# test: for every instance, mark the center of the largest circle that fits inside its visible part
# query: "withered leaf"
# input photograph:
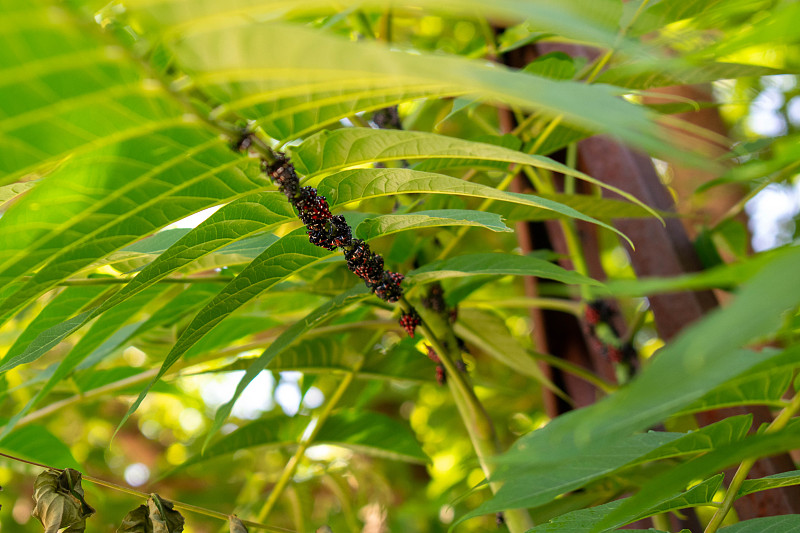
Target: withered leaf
(165, 519)
(136, 521)
(237, 526)
(60, 501)
(157, 516)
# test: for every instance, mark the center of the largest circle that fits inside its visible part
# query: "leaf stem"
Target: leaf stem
(475, 417)
(133, 492)
(744, 468)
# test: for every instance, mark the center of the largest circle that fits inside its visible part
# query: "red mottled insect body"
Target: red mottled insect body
(389, 288)
(283, 174)
(441, 375)
(432, 355)
(331, 232)
(410, 320)
(340, 233)
(320, 238)
(614, 353)
(592, 316)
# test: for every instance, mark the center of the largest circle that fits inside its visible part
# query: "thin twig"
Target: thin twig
(133, 492)
(475, 417)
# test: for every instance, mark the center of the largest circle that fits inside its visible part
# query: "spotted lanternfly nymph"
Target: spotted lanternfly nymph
(410, 320)
(330, 232)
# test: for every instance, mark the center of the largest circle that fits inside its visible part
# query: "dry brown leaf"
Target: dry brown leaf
(60, 501)
(136, 521)
(237, 526)
(164, 518)
(157, 516)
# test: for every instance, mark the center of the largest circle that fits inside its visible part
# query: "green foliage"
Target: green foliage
(165, 319)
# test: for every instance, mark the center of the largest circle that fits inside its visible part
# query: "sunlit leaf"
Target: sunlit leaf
(358, 184)
(330, 151)
(281, 260)
(343, 300)
(36, 443)
(783, 479)
(496, 264)
(388, 224)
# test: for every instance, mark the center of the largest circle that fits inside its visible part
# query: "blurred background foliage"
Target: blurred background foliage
(417, 469)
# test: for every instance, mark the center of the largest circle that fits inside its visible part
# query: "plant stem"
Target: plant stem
(553, 304)
(661, 522)
(551, 126)
(477, 421)
(577, 371)
(133, 492)
(291, 467)
(744, 468)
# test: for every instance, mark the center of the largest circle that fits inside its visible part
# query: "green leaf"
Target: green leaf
(487, 331)
(726, 276)
(286, 257)
(125, 192)
(241, 218)
(497, 264)
(555, 65)
(702, 358)
(665, 73)
(665, 12)
(64, 94)
(388, 224)
(10, 192)
(95, 378)
(232, 329)
(60, 308)
(45, 341)
(705, 439)
(177, 307)
(359, 184)
(330, 151)
(765, 384)
(593, 206)
(586, 520)
(343, 300)
(35, 443)
(594, 22)
(778, 524)
(371, 434)
(368, 433)
(751, 447)
(783, 479)
(518, 36)
(318, 355)
(529, 487)
(312, 63)
(538, 487)
(91, 341)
